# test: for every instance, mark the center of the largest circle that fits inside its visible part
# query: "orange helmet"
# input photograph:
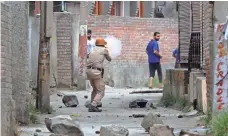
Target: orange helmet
(100, 42)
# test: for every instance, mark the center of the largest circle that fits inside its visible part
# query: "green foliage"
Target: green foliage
(168, 100)
(220, 124)
(46, 109)
(33, 114)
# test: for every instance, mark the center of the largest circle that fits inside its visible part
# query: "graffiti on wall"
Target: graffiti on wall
(221, 68)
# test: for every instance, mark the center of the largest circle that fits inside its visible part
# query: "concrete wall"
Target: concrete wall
(126, 5)
(64, 49)
(75, 46)
(34, 39)
(20, 59)
(135, 33)
(73, 7)
(148, 9)
(7, 101)
(133, 8)
(105, 7)
(220, 14)
(189, 88)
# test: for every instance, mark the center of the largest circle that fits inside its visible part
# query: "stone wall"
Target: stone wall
(7, 102)
(20, 58)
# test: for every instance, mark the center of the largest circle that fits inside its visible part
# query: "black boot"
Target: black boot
(99, 105)
(94, 109)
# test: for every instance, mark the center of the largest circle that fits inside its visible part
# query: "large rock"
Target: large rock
(63, 125)
(70, 100)
(149, 120)
(161, 130)
(113, 130)
(138, 103)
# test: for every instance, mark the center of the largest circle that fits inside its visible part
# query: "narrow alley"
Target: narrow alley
(114, 68)
(115, 111)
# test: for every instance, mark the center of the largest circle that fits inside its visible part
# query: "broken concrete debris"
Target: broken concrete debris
(113, 130)
(70, 100)
(152, 106)
(161, 130)
(138, 115)
(63, 125)
(149, 120)
(138, 103)
(188, 133)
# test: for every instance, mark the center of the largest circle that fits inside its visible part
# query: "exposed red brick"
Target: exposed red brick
(135, 33)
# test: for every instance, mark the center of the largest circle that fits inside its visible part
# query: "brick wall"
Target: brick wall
(64, 49)
(135, 33)
(207, 43)
(7, 103)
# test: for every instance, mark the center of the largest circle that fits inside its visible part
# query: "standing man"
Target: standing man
(94, 73)
(176, 56)
(154, 56)
(90, 42)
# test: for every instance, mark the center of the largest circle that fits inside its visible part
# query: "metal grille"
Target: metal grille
(194, 51)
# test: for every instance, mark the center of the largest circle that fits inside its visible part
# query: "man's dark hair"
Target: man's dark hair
(89, 31)
(155, 33)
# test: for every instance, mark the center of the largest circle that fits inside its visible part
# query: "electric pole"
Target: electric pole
(46, 16)
(81, 83)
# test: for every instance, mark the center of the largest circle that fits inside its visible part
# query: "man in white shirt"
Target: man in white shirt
(90, 42)
(90, 47)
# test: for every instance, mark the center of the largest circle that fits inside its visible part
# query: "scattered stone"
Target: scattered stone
(35, 134)
(87, 103)
(60, 106)
(38, 130)
(138, 115)
(57, 135)
(188, 133)
(161, 130)
(89, 116)
(152, 106)
(158, 115)
(63, 125)
(60, 95)
(113, 130)
(149, 120)
(180, 116)
(138, 103)
(97, 132)
(70, 100)
(86, 96)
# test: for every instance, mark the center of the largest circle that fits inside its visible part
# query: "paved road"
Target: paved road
(115, 111)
